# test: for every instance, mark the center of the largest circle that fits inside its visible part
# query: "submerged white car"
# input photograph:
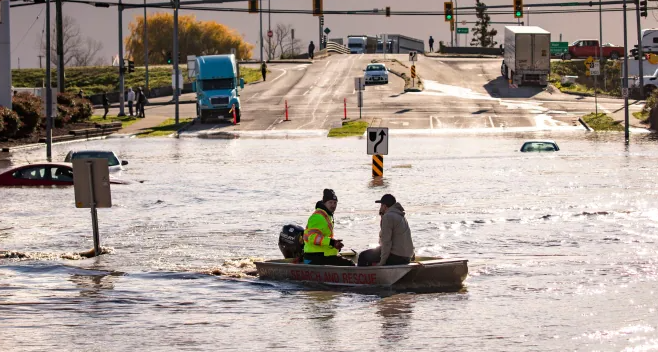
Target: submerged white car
(113, 162)
(376, 73)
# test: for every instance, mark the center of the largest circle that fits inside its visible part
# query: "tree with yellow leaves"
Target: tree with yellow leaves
(194, 38)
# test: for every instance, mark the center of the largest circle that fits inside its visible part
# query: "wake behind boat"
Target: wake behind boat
(424, 273)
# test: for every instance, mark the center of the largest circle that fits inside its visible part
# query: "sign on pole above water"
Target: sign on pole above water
(377, 138)
(413, 56)
(359, 83)
(95, 183)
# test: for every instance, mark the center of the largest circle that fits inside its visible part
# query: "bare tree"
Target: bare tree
(283, 44)
(72, 41)
(87, 53)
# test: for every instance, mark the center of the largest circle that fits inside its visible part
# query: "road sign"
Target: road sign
(462, 30)
(270, 34)
(624, 92)
(595, 68)
(588, 61)
(327, 30)
(413, 71)
(413, 56)
(359, 83)
(86, 177)
(377, 140)
(558, 48)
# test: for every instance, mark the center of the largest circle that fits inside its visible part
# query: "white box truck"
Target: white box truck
(527, 55)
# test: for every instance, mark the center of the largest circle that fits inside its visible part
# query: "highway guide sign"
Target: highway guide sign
(377, 138)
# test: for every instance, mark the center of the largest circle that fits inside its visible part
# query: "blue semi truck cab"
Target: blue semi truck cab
(217, 84)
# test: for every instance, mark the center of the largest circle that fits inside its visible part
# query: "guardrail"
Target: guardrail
(337, 48)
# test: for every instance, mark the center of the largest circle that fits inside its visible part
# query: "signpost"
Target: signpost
(359, 87)
(413, 56)
(270, 33)
(327, 31)
(461, 30)
(559, 48)
(377, 146)
(593, 68)
(92, 190)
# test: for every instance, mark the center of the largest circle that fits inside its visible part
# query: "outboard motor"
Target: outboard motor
(291, 241)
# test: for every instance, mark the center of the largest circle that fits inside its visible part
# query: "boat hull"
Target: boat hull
(423, 274)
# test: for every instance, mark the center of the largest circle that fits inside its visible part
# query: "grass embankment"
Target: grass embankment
(641, 115)
(125, 121)
(95, 80)
(602, 122)
(585, 84)
(349, 129)
(165, 128)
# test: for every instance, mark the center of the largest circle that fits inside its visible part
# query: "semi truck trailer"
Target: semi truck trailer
(527, 58)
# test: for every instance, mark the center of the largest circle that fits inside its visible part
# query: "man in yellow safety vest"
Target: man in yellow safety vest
(320, 247)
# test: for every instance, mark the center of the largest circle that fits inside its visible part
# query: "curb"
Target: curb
(186, 127)
(453, 56)
(290, 62)
(582, 122)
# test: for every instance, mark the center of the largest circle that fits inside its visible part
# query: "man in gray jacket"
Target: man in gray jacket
(395, 244)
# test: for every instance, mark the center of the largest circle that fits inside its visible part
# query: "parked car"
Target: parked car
(376, 73)
(590, 47)
(540, 146)
(43, 174)
(113, 162)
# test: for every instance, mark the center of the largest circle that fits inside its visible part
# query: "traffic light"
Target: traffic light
(518, 8)
(253, 6)
(635, 53)
(447, 10)
(388, 11)
(131, 66)
(317, 7)
(321, 20)
(169, 61)
(643, 8)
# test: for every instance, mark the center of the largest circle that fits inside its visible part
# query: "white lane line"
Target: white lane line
(328, 62)
(431, 122)
(306, 92)
(283, 74)
(492, 124)
(253, 96)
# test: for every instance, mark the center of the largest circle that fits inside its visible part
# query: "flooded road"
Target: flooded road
(561, 247)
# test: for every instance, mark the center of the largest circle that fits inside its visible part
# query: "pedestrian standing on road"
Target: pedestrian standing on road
(311, 49)
(395, 244)
(431, 44)
(131, 99)
(263, 70)
(106, 105)
(141, 102)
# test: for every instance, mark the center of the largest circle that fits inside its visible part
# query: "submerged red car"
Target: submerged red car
(44, 174)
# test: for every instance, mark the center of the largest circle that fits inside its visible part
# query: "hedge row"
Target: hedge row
(26, 117)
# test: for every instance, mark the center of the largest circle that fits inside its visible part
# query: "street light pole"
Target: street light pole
(260, 10)
(49, 94)
(146, 49)
(639, 49)
(269, 28)
(625, 83)
(121, 81)
(175, 58)
(59, 28)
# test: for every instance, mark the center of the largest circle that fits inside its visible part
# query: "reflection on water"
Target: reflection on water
(561, 247)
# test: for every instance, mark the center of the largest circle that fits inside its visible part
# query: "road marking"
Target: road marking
(283, 74)
(431, 123)
(253, 96)
(328, 62)
(492, 124)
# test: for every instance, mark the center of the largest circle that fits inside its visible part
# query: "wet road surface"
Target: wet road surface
(562, 247)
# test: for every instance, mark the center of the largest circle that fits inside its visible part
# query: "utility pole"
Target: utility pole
(260, 10)
(5, 55)
(269, 28)
(121, 84)
(49, 93)
(60, 45)
(320, 32)
(601, 44)
(456, 24)
(146, 50)
(639, 48)
(175, 58)
(625, 83)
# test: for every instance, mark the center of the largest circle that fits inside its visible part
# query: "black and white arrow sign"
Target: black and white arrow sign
(377, 138)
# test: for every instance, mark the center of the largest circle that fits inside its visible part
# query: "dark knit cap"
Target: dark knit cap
(328, 194)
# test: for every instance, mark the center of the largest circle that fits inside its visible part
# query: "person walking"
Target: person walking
(81, 94)
(263, 70)
(106, 105)
(395, 244)
(431, 44)
(141, 102)
(131, 99)
(320, 246)
(311, 49)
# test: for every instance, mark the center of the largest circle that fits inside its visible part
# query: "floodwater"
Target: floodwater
(562, 247)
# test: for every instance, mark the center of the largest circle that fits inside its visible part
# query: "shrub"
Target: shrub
(652, 101)
(28, 108)
(78, 109)
(63, 117)
(10, 122)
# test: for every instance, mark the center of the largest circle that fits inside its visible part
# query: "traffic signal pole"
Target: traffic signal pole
(121, 67)
(146, 50)
(176, 80)
(625, 83)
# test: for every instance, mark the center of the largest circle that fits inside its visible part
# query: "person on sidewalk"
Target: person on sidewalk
(431, 44)
(106, 105)
(395, 244)
(311, 49)
(320, 246)
(131, 99)
(263, 70)
(141, 102)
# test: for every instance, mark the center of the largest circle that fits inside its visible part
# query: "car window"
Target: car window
(61, 173)
(655, 40)
(538, 147)
(31, 173)
(111, 159)
(375, 68)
